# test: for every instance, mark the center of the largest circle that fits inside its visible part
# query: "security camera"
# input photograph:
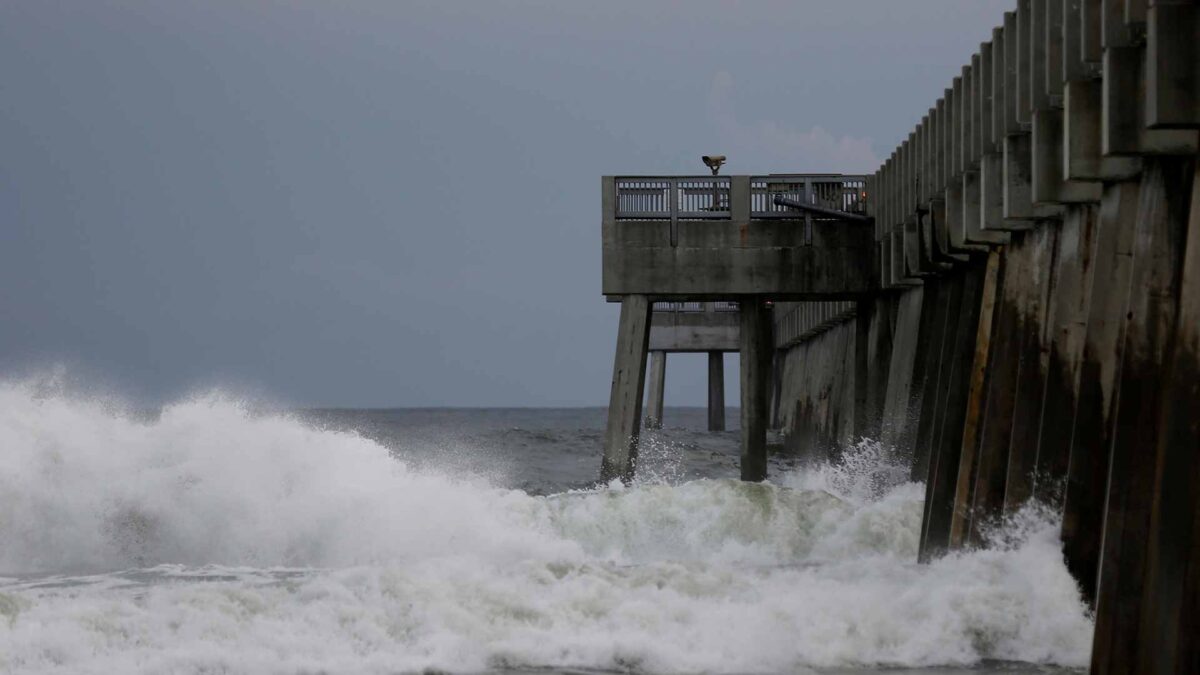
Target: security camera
(714, 162)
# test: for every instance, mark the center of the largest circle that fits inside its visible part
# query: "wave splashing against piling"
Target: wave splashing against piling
(214, 539)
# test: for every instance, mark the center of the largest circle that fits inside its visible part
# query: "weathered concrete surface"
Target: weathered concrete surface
(1093, 422)
(995, 430)
(1158, 249)
(722, 258)
(736, 256)
(1034, 289)
(1069, 312)
(703, 331)
(625, 399)
(932, 345)
(954, 378)
(658, 381)
(757, 349)
(1089, 379)
(817, 392)
(905, 370)
(1171, 599)
(876, 326)
(976, 392)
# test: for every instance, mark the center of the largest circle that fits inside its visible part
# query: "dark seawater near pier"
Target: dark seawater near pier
(216, 538)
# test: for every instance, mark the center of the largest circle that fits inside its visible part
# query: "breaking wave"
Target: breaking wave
(212, 538)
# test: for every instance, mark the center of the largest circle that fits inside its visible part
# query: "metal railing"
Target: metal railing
(679, 306)
(806, 320)
(840, 193)
(677, 197)
(674, 306)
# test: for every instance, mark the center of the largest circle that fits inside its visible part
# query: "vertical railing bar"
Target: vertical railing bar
(808, 198)
(673, 203)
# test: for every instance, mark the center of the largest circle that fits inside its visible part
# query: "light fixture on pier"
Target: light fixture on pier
(714, 162)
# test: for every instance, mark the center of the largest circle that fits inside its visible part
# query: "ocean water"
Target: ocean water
(214, 536)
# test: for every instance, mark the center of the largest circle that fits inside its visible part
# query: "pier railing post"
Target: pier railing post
(625, 400)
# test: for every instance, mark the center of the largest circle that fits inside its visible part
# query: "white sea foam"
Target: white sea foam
(264, 545)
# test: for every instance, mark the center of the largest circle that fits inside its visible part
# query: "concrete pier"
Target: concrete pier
(689, 327)
(700, 247)
(1025, 324)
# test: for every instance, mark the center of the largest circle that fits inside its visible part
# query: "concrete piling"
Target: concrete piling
(1171, 595)
(954, 379)
(625, 399)
(1032, 363)
(906, 363)
(991, 457)
(716, 391)
(757, 347)
(1092, 427)
(1066, 330)
(658, 378)
(1158, 247)
(964, 490)
(933, 344)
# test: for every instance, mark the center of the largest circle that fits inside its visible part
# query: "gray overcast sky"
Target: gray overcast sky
(397, 203)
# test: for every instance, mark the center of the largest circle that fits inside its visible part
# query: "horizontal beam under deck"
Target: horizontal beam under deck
(706, 331)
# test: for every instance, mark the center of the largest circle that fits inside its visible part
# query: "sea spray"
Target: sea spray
(217, 539)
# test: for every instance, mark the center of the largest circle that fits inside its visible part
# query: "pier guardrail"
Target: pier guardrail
(669, 197)
(711, 197)
(805, 320)
(840, 193)
(673, 306)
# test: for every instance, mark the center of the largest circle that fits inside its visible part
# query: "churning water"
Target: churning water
(211, 538)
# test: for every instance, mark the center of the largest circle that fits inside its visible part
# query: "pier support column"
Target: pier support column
(999, 394)
(864, 415)
(625, 401)
(756, 351)
(934, 314)
(964, 491)
(954, 379)
(1171, 595)
(1072, 289)
(1134, 480)
(716, 391)
(1032, 365)
(658, 381)
(1092, 426)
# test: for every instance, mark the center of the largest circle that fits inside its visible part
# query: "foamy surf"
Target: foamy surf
(213, 539)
